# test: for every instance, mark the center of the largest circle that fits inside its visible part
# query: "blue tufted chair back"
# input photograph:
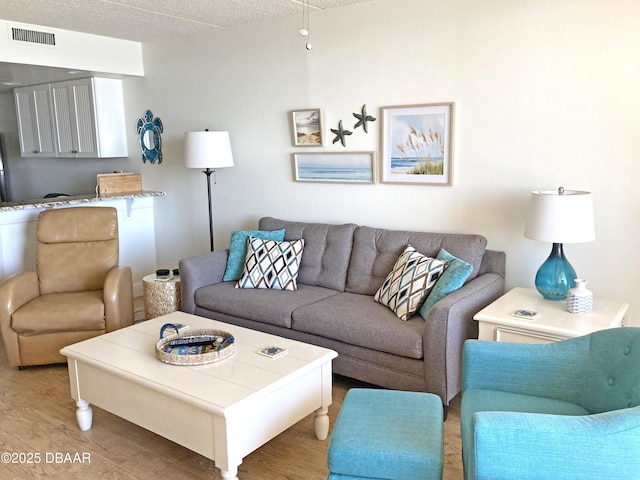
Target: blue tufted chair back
(613, 371)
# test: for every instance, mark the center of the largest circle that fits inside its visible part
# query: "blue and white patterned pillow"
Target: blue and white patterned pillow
(409, 282)
(271, 264)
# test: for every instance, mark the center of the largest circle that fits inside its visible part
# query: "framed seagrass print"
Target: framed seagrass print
(417, 144)
(343, 167)
(306, 127)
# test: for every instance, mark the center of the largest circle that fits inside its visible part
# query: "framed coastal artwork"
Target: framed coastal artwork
(307, 127)
(343, 167)
(417, 144)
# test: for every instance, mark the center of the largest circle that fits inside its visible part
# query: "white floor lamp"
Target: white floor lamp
(208, 150)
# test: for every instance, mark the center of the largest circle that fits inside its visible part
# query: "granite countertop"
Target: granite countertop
(72, 200)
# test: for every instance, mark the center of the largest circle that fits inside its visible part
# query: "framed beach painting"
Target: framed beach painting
(343, 167)
(307, 127)
(417, 144)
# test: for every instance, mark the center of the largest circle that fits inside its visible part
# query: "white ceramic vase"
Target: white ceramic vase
(579, 298)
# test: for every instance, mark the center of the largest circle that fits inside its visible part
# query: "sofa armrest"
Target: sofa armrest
(493, 261)
(541, 446)
(449, 323)
(200, 271)
(553, 370)
(118, 298)
(15, 291)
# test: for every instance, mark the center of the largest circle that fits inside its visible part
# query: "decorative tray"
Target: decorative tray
(194, 347)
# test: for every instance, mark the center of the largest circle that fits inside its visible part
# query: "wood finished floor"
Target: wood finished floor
(38, 416)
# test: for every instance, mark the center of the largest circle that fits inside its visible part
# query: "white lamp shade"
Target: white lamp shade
(555, 218)
(207, 150)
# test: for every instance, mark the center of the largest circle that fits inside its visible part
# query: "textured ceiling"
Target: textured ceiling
(140, 21)
(147, 21)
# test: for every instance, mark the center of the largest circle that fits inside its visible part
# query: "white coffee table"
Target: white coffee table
(224, 410)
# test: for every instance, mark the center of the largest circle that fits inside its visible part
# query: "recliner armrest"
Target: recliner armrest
(200, 271)
(118, 298)
(530, 446)
(15, 291)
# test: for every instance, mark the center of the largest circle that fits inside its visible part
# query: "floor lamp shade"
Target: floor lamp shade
(208, 150)
(558, 217)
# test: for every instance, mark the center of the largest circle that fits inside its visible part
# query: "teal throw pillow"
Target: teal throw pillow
(238, 250)
(451, 280)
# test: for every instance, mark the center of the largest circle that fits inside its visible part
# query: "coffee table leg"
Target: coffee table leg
(84, 414)
(322, 423)
(230, 474)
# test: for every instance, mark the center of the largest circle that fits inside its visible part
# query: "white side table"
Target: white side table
(555, 323)
(160, 297)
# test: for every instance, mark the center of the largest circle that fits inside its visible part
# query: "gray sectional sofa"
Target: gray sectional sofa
(341, 269)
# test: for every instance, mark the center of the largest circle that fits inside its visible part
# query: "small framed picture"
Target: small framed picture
(307, 127)
(343, 167)
(417, 144)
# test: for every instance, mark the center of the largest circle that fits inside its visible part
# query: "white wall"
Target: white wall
(546, 94)
(73, 50)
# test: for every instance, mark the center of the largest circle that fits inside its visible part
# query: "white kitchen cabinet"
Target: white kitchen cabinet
(89, 118)
(35, 121)
(86, 118)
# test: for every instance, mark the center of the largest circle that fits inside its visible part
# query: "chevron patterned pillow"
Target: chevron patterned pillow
(271, 264)
(409, 282)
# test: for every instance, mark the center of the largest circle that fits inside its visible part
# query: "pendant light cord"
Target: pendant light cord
(305, 31)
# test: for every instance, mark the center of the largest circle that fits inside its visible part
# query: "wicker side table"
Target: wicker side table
(160, 297)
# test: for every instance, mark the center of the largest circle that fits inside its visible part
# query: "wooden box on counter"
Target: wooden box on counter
(118, 183)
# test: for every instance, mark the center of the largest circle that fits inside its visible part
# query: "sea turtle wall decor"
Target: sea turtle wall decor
(149, 131)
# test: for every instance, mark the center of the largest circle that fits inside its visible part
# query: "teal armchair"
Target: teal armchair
(566, 410)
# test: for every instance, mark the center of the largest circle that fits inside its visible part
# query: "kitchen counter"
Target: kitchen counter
(136, 229)
(72, 200)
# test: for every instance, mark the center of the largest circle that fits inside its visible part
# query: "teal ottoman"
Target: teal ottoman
(387, 434)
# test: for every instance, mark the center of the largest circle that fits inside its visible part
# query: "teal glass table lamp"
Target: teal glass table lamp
(558, 217)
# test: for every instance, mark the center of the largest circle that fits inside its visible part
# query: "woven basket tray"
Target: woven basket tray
(226, 348)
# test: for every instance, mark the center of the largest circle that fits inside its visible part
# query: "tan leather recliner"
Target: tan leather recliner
(77, 292)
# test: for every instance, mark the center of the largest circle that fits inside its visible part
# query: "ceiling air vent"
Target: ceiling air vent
(33, 36)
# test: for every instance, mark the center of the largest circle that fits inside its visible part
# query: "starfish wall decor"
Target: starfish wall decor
(363, 118)
(340, 134)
